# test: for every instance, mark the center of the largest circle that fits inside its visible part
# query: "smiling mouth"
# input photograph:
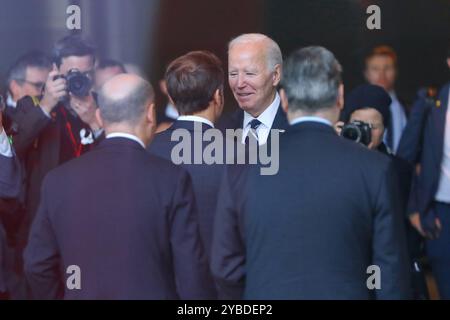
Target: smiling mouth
(244, 95)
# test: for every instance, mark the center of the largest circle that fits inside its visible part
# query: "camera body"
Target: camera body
(78, 83)
(358, 131)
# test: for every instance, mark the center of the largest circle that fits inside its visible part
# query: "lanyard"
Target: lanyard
(77, 147)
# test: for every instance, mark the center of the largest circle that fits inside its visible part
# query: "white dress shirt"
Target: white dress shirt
(310, 119)
(443, 191)
(171, 112)
(266, 118)
(127, 136)
(5, 147)
(197, 119)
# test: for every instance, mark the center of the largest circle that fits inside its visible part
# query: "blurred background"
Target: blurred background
(149, 33)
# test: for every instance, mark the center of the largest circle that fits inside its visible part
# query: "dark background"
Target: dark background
(149, 33)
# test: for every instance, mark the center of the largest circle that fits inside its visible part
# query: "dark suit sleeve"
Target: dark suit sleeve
(10, 177)
(192, 274)
(41, 255)
(389, 242)
(410, 145)
(30, 121)
(228, 250)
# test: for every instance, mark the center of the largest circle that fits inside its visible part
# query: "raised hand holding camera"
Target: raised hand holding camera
(55, 90)
(85, 108)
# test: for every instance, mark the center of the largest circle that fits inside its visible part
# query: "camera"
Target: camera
(358, 131)
(78, 83)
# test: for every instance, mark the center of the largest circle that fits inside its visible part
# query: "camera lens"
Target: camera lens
(352, 133)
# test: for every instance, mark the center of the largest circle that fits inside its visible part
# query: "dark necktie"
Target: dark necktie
(254, 125)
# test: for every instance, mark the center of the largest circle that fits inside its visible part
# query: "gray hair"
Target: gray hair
(129, 108)
(34, 59)
(274, 55)
(311, 79)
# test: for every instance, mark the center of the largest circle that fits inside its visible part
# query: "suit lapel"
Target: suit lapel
(438, 117)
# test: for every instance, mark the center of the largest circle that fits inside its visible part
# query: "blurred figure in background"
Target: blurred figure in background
(381, 69)
(426, 141)
(27, 77)
(105, 70)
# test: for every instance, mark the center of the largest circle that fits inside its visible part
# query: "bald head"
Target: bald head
(124, 98)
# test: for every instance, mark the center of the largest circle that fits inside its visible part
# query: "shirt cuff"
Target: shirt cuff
(45, 112)
(5, 147)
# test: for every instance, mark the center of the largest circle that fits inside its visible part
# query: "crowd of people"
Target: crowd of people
(88, 179)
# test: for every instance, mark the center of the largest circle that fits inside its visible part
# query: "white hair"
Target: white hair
(273, 55)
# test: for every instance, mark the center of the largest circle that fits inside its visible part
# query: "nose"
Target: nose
(240, 81)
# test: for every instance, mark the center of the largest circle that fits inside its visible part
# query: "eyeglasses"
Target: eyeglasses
(38, 85)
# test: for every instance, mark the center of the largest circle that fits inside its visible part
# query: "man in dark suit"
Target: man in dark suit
(426, 141)
(332, 223)
(381, 69)
(254, 72)
(125, 218)
(195, 85)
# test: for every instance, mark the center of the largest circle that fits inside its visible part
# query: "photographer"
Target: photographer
(367, 107)
(58, 126)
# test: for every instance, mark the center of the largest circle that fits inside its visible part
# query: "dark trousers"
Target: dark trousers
(438, 251)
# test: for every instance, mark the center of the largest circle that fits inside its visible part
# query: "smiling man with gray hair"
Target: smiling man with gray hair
(331, 230)
(255, 67)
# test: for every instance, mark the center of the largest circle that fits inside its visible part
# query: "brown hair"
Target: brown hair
(192, 80)
(382, 51)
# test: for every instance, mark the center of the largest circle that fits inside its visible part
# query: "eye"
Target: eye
(251, 74)
(232, 74)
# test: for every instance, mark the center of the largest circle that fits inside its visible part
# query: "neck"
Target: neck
(331, 114)
(126, 128)
(208, 114)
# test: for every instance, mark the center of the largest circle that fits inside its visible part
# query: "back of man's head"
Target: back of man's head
(192, 81)
(72, 45)
(110, 63)
(124, 99)
(311, 80)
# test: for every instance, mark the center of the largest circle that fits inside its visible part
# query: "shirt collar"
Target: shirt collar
(267, 117)
(197, 119)
(127, 136)
(10, 102)
(171, 112)
(310, 119)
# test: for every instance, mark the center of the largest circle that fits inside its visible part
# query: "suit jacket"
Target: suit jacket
(10, 182)
(205, 178)
(127, 219)
(423, 142)
(10, 177)
(312, 230)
